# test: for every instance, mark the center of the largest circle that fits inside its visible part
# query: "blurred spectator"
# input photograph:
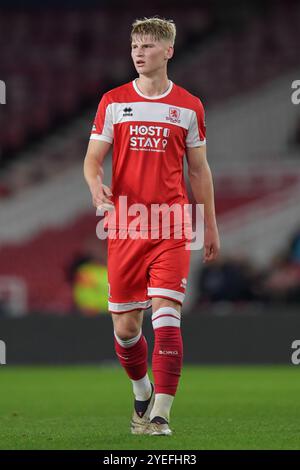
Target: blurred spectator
(235, 279)
(282, 281)
(231, 279)
(294, 252)
(88, 276)
(295, 139)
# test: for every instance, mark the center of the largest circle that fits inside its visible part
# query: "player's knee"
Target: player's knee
(127, 329)
(126, 334)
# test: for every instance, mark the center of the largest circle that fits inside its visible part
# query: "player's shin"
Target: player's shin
(166, 360)
(133, 356)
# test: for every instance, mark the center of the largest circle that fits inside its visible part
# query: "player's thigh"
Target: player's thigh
(127, 275)
(128, 324)
(168, 273)
(158, 302)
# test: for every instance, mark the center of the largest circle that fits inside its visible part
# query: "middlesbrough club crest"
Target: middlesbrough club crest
(174, 114)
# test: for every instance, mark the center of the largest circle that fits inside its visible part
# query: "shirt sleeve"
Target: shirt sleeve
(103, 128)
(196, 135)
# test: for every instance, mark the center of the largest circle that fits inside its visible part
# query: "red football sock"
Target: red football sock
(133, 355)
(168, 350)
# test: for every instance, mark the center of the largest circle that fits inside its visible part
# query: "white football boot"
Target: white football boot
(159, 426)
(141, 415)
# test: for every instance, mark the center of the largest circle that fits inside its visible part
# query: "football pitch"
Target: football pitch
(89, 407)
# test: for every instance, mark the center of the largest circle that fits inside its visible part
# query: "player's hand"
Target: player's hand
(100, 195)
(211, 244)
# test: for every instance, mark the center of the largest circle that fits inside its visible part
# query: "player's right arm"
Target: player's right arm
(100, 143)
(93, 171)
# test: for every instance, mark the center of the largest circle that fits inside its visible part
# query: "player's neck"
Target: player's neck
(152, 86)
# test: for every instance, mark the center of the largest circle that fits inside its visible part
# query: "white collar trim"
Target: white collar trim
(152, 97)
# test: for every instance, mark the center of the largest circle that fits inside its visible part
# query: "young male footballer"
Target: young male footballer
(152, 123)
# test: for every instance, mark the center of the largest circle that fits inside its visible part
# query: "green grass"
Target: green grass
(90, 408)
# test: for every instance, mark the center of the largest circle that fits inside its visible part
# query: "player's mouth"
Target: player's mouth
(140, 63)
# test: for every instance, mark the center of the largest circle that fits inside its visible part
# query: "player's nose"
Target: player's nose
(139, 52)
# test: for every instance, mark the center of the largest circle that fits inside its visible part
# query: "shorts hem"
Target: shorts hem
(132, 310)
(123, 307)
(166, 293)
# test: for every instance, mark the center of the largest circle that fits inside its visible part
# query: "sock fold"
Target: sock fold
(133, 355)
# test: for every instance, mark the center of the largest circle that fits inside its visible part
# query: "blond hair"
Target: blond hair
(158, 28)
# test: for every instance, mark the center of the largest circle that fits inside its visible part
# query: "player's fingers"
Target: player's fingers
(206, 253)
(103, 202)
(106, 190)
(212, 253)
(100, 198)
(106, 200)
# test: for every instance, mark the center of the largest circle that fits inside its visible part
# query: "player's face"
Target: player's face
(149, 55)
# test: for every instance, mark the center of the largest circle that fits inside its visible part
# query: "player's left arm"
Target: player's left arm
(201, 180)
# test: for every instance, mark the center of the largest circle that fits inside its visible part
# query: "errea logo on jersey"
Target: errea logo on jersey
(174, 115)
(151, 138)
(127, 112)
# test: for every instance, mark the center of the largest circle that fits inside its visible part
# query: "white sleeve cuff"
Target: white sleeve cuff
(101, 137)
(200, 143)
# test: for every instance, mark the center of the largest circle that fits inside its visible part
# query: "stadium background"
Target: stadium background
(240, 58)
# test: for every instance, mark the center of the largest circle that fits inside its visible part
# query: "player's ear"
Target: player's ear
(170, 52)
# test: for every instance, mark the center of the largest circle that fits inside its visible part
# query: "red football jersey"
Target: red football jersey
(150, 136)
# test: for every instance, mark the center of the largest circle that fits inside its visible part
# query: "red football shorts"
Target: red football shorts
(140, 269)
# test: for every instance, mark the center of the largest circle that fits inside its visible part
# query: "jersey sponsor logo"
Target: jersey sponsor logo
(127, 112)
(174, 115)
(151, 138)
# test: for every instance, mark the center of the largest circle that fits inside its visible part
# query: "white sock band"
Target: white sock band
(128, 343)
(166, 316)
